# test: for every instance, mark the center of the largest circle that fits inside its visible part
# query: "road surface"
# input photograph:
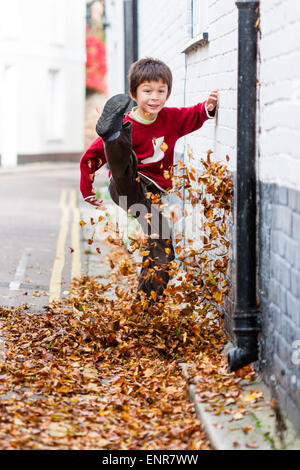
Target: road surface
(39, 220)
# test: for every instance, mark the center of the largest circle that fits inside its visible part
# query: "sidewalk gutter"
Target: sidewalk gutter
(226, 434)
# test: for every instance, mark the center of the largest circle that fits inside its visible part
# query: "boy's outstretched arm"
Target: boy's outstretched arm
(190, 119)
(91, 161)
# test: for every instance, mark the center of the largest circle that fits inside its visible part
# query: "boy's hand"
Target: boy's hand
(94, 201)
(212, 100)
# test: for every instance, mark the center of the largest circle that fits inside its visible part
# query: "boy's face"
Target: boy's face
(151, 97)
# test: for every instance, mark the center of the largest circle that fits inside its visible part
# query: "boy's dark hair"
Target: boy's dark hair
(148, 70)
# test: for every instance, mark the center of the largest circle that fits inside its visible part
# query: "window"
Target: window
(55, 108)
(198, 21)
(198, 17)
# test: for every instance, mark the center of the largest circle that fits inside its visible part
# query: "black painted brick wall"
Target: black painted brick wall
(279, 290)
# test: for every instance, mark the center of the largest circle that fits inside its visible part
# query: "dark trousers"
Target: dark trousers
(128, 190)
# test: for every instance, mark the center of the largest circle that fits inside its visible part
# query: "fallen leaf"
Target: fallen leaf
(252, 445)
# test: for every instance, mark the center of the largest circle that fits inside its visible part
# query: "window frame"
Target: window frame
(198, 37)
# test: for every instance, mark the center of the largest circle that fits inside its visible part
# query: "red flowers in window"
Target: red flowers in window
(95, 64)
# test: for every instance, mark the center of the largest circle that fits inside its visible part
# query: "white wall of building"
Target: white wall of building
(42, 72)
(115, 46)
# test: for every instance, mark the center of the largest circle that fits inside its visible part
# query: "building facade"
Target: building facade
(42, 76)
(198, 39)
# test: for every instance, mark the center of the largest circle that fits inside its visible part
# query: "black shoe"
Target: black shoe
(112, 116)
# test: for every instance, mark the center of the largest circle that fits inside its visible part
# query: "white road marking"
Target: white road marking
(75, 237)
(58, 265)
(67, 204)
(20, 272)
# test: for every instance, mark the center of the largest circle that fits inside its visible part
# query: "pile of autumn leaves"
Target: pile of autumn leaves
(96, 372)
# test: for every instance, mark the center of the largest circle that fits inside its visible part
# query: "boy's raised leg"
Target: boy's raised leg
(125, 181)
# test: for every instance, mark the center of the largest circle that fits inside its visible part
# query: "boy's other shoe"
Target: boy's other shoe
(112, 116)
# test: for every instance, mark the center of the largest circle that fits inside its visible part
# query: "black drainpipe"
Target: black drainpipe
(130, 36)
(246, 312)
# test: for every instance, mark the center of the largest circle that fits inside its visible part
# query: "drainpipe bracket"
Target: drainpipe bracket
(246, 3)
(246, 321)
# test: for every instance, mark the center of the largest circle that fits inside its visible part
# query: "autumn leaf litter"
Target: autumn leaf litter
(95, 372)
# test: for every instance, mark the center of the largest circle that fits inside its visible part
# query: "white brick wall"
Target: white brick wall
(164, 29)
(279, 76)
(212, 66)
(162, 34)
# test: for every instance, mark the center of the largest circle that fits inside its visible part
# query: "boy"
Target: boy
(139, 151)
